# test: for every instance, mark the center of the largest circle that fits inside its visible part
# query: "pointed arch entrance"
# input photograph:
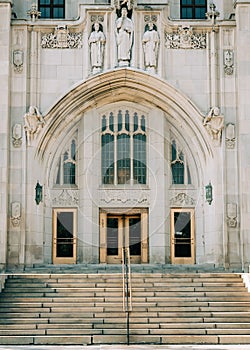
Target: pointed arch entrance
(99, 204)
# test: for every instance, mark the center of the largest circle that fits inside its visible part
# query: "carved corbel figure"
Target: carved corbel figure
(214, 123)
(33, 123)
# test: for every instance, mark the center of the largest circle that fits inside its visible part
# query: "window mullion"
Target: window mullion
(131, 158)
(62, 170)
(115, 154)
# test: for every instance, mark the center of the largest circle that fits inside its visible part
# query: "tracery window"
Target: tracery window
(52, 8)
(193, 9)
(123, 148)
(179, 165)
(66, 168)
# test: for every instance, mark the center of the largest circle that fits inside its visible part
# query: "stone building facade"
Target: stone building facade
(125, 123)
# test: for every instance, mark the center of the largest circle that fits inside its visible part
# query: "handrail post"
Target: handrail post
(127, 289)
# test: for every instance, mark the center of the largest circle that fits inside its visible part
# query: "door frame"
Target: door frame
(182, 260)
(63, 260)
(104, 214)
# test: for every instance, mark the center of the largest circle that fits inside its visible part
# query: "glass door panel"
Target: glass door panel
(182, 236)
(64, 236)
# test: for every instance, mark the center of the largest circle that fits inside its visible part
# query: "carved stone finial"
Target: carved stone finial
(214, 123)
(212, 14)
(34, 13)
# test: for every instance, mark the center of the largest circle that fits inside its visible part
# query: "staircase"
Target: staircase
(168, 308)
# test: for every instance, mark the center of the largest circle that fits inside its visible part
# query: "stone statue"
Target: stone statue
(124, 36)
(214, 123)
(97, 42)
(150, 43)
(33, 123)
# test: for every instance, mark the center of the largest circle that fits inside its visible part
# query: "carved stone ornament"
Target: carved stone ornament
(128, 3)
(181, 200)
(185, 38)
(17, 135)
(214, 123)
(230, 136)
(66, 198)
(232, 215)
(18, 60)
(61, 39)
(113, 197)
(228, 62)
(33, 123)
(15, 214)
(34, 13)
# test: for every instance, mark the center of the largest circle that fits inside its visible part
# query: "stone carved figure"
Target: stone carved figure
(214, 123)
(124, 36)
(97, 42)
(33, 123)
(150, 43)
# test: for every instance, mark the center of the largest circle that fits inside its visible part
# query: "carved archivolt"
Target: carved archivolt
(185, 38)
(61, 38)
(182, 199)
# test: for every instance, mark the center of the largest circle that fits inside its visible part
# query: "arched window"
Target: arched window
(123, 148)
(179, 166)
(66, 168)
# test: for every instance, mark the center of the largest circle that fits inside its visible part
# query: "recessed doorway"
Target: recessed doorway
(123, 230)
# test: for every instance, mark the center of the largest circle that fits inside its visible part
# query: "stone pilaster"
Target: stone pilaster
(5, 16)
(243, 73)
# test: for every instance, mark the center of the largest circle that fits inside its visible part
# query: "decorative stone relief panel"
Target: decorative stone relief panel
(65, 197)
(232, 215)
(17, 135)
(228, 56)
(15, 214)
(61, 39)
(185, 38)
(18, 60)
(230, 136)
(124, 198)
(182, 199)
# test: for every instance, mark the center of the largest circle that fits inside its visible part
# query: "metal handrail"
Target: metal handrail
(127, 286)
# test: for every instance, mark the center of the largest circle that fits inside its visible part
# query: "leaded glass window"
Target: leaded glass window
(193, 9)
(66, 168)
(123, 148)
(180, 169)
(52, 8)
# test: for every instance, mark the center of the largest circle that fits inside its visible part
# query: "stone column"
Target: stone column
(243, 114)
(5, 16)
